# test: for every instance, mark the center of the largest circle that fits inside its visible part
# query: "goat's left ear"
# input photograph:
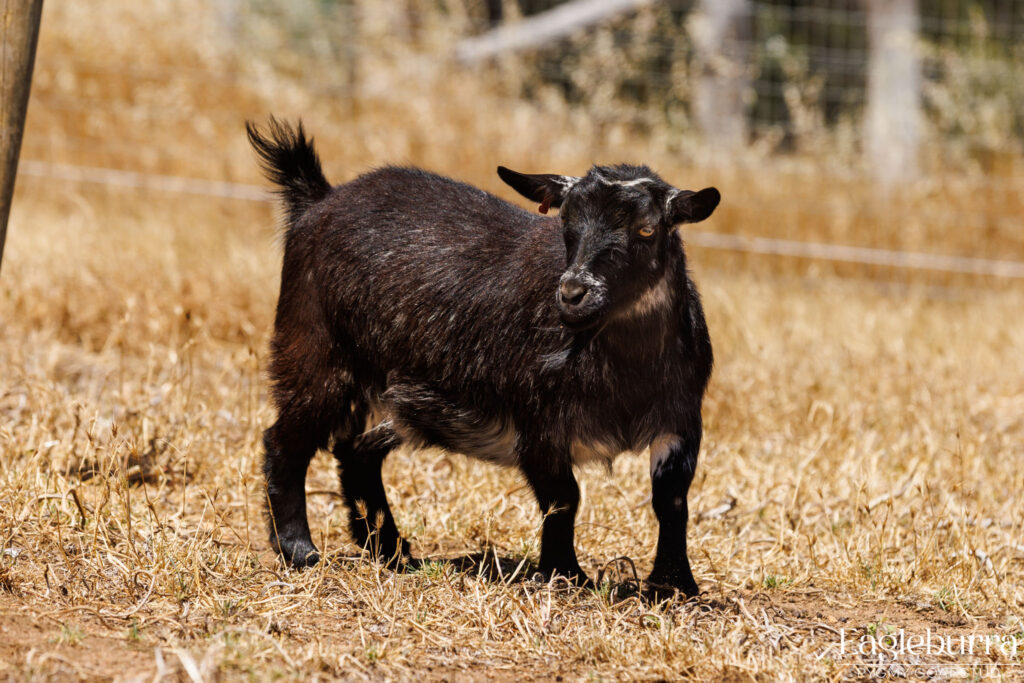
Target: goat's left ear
(546, 189)
(685, 206)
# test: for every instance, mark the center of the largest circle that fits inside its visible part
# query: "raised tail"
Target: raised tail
(288, 160)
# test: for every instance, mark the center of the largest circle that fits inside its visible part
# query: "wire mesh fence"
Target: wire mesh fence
(926, 97)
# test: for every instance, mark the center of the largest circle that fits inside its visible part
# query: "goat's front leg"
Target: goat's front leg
(673, 462)
(558, 496)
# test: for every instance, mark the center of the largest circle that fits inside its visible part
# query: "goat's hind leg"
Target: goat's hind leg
(360, 459)
(290, 445)
(305, 419)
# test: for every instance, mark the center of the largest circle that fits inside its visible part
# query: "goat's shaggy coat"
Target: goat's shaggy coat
(418, 309)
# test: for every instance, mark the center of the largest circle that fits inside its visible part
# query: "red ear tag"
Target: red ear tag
(546, 204)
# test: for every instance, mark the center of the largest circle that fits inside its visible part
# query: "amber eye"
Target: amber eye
(645, 231)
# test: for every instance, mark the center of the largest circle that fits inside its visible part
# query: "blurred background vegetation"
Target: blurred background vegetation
(804, 65)
(882, 124)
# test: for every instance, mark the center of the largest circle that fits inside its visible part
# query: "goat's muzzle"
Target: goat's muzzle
(581, 299)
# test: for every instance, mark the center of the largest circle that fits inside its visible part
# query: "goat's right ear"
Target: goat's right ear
(546, 189)
(685, 206)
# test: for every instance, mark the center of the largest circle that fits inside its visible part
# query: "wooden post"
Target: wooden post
(720, 30)
(892, 120)
(19, 29)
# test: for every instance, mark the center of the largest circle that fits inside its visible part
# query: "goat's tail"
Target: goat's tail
(288, 159)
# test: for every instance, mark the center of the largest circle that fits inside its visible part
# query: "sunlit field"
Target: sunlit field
(864, 427)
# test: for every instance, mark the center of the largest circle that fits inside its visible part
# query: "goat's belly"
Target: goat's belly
(423, 417)
(604, 452)
(492, 442)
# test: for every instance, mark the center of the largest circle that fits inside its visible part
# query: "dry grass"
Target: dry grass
(861, 468)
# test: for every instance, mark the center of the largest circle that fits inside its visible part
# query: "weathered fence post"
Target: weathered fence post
(19, 29)
(892, 120)
(720, 30)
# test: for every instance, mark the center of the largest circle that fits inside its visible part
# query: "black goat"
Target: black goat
(418, 309)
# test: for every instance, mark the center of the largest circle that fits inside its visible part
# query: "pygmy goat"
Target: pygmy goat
(417, 309)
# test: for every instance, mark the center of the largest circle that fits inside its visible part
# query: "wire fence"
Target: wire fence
(752, 245)
(786, 77)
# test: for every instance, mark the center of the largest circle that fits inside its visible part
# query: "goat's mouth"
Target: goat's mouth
(580, 318)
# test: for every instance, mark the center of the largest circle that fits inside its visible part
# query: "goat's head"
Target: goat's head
(617, 222)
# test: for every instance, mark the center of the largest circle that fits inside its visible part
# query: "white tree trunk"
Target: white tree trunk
(719, 30)
(892, 119)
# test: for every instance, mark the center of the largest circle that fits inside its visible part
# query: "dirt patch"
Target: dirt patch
(36, 639)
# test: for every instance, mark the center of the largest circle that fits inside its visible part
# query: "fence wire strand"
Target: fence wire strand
(765, 246)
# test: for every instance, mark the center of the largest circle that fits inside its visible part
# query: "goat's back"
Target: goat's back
(409, 266)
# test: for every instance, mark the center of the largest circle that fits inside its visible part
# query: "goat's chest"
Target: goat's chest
(614, 411)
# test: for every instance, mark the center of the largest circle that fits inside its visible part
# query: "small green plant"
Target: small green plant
(876, 628)
(229, 607)
(527, 549)
(69, 635)
(431, 569)
(772, 581)
(133, 631)
(183, 587)
(372, 653)
(604, 591)
(944, 598)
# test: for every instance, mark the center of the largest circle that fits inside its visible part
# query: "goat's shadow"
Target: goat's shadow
(486, 564)
(616, 581)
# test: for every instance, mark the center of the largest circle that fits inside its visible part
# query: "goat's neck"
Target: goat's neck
(649, 332)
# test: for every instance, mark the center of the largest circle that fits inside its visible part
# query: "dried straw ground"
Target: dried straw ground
(860, 475)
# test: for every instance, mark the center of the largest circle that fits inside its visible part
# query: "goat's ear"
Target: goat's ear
(546, 189)
(685, 206)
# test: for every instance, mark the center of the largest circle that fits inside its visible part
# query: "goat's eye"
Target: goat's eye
(645, 231)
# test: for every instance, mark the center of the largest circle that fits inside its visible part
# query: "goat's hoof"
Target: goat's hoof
(658, 588)
(574, 577)
(299, 555)
(582, 581)
(398, 559)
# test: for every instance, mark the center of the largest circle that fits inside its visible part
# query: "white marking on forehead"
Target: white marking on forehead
(652, 299)
(661, 447)
(623, 183)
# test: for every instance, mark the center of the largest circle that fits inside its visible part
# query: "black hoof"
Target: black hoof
(660, 587)
(393, 553)
(574, 577)
(300, 554)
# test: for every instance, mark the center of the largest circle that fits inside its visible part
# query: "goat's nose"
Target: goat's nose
(572, 292)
